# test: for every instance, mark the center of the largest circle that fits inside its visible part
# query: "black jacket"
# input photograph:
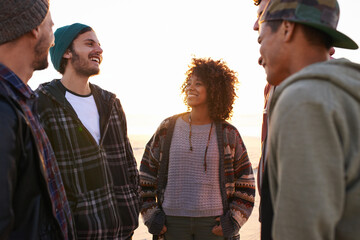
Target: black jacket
(25, 207)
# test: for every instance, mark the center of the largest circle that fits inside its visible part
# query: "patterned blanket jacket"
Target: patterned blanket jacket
(101, 180)
(237, 184)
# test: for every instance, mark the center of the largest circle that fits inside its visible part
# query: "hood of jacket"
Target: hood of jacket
(55, 91)
(342, 73)
(105, 101)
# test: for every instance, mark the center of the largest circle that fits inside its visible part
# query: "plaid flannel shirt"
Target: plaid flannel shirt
(101, 181)
(26, 99)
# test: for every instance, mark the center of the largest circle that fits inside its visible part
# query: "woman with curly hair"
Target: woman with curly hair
(196, 178)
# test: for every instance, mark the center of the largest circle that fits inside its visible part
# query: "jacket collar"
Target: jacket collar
(56, 91)
(104, 99)
(17, 85)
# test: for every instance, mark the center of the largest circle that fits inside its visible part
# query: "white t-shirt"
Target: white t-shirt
(87, 112)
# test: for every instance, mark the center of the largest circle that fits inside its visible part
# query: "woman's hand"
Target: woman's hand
(217, 230)
(164, 229)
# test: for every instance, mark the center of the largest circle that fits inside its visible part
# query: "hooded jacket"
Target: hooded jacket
(101, 180)
(314, 153)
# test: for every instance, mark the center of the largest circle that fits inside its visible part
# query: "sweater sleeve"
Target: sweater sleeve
(306, 169)
(241, 201)
(153, 216)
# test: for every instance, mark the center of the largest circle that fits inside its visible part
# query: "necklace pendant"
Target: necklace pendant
(191, 148)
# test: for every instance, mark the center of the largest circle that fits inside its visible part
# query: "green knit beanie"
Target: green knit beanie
(63, 38)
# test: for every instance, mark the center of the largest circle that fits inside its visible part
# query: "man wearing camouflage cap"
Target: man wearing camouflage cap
(33, 203)
(313, 153)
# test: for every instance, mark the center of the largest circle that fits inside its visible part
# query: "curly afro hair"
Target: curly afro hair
(220, 82)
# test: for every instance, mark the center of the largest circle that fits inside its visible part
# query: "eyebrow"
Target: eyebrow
(91, 40)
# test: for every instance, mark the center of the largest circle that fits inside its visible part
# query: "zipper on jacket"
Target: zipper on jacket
(87, 131)
(107, 122)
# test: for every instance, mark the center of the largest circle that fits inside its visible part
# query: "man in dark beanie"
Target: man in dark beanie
(33, 203)
(87, 128)
(313, 149)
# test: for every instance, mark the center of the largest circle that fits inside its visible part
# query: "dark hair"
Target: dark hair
(64, 61)
(317, 37)
(257, 2)
(312, 35)
(220, 82)
(274, 25)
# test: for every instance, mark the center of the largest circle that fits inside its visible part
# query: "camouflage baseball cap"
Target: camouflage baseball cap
(320, 14)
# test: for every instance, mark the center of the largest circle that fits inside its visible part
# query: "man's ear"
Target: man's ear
(67, 54)
(35, 32)
(288, 29)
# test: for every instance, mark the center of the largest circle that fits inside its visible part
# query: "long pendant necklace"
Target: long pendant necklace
(208, 142)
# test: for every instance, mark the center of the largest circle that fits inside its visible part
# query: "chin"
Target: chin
(89, 72)
(271, 79)
(41, 65)
(97, 72)
(190, 103)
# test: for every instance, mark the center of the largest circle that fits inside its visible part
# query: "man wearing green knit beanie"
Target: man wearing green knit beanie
(87, 128)
(63, 38)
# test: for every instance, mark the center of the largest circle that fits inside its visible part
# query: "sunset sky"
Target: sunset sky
(149, 43)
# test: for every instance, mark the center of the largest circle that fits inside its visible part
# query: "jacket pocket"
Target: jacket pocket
(96, 214)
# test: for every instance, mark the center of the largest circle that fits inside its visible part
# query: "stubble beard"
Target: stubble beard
(81, 66)
(41, 55)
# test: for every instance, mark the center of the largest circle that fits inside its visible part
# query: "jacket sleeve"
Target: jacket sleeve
(153, 216)
(8, 156)
(241, 201)
(131, 162)
(306, 167)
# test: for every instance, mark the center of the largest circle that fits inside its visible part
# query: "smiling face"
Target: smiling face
(196, 94)
(86, 54)
(273, 56)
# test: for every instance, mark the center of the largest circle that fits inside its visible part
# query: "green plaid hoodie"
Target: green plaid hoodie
(101, 181)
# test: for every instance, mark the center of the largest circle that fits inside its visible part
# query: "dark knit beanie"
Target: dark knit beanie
(63, 38)
(20, 17)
